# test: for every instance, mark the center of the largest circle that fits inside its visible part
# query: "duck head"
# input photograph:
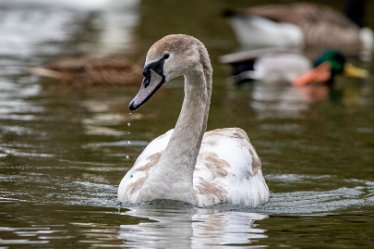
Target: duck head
(168, 58)
(326, 67)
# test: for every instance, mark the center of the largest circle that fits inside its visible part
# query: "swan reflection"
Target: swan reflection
(191, 228)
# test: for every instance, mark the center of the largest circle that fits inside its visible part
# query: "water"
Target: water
(64, 150)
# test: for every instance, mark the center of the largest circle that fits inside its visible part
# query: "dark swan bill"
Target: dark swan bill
(152, 81)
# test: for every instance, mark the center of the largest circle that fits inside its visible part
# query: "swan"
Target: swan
(286, 66)
(304, 25)
(91, 71)
(186, 163)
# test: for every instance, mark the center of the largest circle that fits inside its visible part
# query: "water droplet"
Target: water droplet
(128, 142)
(119, 206)
(127, 157)
(128, 124)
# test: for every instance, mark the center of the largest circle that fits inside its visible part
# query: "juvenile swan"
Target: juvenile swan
(186, 163)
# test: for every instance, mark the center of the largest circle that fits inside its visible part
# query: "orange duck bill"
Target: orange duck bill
(318, 75)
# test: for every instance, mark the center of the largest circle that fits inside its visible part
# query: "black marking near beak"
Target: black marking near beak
(154, 78)
(157, 67)
(146, 79)
(144, 95)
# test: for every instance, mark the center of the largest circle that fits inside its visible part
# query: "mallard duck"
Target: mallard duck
(303, 25)
(277, 65)
(91, 71)
(186, 163)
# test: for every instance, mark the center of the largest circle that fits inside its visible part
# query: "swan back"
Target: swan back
(228, 170)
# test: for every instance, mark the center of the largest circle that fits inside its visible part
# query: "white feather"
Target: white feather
(132, 176)
(270, 65)
(261, 32)
(281, 67)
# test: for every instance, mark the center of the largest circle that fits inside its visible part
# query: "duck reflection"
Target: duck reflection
(191, 228)
(285, 101)
(279, 101)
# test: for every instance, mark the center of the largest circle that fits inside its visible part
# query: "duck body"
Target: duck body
(91, 71)
(282, 66)
(301, 25)
(267, 32)
(188, 164)
(267, 65)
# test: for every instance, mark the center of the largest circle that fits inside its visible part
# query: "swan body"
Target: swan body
(301, 25)
(186, 163)
(91, 71)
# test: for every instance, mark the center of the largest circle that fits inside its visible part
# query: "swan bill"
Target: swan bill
(152, 81)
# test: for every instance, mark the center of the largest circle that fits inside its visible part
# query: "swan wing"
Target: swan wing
(228, 170)
(134, 179)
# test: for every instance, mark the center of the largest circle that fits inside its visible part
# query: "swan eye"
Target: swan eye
(166, 56)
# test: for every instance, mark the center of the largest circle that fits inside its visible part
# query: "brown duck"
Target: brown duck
(305, 25)
(92, 71)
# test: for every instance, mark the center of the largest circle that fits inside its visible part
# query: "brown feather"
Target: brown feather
(90, 71)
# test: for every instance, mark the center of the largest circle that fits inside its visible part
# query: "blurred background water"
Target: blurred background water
(64, 149)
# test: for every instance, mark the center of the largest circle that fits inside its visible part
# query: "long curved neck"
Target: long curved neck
(184, 145)
(173, 176)
(178, 161)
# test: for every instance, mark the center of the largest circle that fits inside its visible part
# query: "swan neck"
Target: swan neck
(184, 145)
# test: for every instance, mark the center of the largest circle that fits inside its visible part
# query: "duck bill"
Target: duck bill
(149, 86)
(319, 74)
(353, 71)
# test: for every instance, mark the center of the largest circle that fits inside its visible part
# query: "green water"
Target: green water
(64, 150)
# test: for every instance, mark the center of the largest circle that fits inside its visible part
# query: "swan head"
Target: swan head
(168, 58)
